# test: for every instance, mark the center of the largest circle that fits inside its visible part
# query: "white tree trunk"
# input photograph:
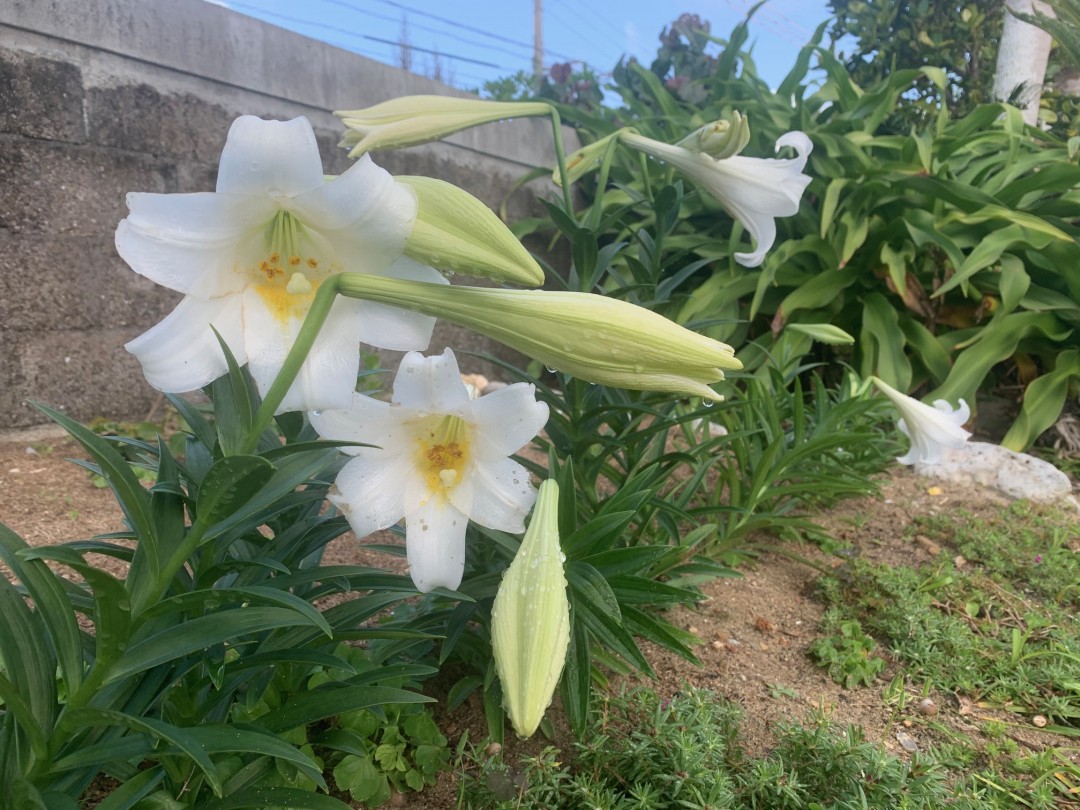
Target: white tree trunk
(1022, 57)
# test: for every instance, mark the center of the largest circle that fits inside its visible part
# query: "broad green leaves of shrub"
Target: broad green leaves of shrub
(949, 253)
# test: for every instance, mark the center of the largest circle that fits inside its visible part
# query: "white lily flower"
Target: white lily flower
(250, 257)
(753, 190)
(929, 428)
(440, 459)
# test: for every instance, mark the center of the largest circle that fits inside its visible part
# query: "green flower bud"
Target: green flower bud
(530, 620)
(721, 139)
(412, 120)
(601, 340)
(584, 160)
(455, 231)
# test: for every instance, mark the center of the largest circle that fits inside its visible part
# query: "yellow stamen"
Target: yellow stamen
(443, 452)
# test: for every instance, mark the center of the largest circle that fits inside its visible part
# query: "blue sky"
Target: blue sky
(481, 40)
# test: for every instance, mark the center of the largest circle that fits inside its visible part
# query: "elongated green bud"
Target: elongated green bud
(412, 120)
(585, 159)
(530, 620)
(455, 231)
(598, 339)
(721, 139)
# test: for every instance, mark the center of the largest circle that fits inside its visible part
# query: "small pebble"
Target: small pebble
(959, 561)
(718, 645)
(926, 707)
(906, 723)
(692, 629)
(928, 545)
(1039, 721)
(493, 749)
(907, 742)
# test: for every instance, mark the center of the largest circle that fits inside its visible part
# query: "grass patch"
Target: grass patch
(645, 752)
(992, 621)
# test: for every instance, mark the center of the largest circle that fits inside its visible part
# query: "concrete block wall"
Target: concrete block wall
(102, 97)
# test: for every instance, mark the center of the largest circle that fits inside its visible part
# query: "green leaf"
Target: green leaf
(210, 600)
(821, 290)
(359, 776)
(897, 262)
(182, 738)
(230, 483)
(998, 341)
(52, 605)
(112, 607)
(233, 739)
(928, 348)
(1043, 401)
(133, 499)
(235, 403)
(882, 343)
(310, 707)
(129, 794)
(989, 250)
(577, 677)
(202, 632)
(830, 202)
(823, 333)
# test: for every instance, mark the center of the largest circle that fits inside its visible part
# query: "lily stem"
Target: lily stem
(316, 317)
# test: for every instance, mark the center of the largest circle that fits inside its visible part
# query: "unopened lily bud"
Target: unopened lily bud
(455, 231)
(601, 340)
(530, 620)
(720, 139)
(412, 120)
(584, 160)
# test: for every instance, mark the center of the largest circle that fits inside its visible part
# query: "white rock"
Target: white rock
(1016, 475)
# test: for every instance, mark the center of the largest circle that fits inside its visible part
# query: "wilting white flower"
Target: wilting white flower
(928, 428)
(440, 459)
(250, 257)
(530, 619)
(753, 190)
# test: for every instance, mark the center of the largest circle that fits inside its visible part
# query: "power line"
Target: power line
(339, 31)
(473, 29)
(581, 5)
(422, 27)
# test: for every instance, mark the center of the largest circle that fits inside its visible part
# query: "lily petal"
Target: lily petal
(181, 353)
(430, 384)
(370, 492)
(364, 212)
(508, 419)
(328, 377)
(279, 158)
(435, 541)
(182, 241)
(367, 420)
(502, 495)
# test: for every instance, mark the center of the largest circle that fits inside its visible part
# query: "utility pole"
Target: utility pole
(538, 43)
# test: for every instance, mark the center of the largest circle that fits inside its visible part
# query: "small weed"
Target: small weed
(848, 654)
(777, 690)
